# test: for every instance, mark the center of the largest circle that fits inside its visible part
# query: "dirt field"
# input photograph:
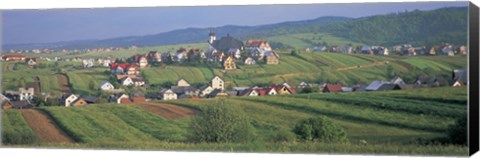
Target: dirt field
(167, 111)
(64, 83)
(44, 127)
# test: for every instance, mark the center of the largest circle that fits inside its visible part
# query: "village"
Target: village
(228, 52)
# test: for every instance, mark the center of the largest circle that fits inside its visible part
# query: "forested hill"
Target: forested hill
(415, 27)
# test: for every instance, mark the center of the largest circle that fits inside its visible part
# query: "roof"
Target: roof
(204, 87)
(334, 87)
(104, 82)
(89, 99)
(138, 99)
(216, 76)
(381, 86)
(255, 43)
(460, 74)
(124, 66)
(227, 42)
(182, 89)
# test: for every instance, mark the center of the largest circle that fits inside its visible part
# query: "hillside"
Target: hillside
(416, 27)
(390, 122)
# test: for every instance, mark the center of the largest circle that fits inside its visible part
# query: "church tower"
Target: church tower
(212, 37)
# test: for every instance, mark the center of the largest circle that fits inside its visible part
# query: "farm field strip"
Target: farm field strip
(168, 111)
(15, 129)
(45, 128)
(361, 114)
(87, 124)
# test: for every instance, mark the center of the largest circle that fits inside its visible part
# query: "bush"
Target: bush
(222, 123)
(457, 133)
(319, 129)
(283, 136)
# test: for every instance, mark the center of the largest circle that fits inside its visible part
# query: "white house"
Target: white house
(143, 62)
(105, 85)
(127, 81)
(168, 94)
(272, 91)
(26, 94)
(250, 61)
(70, 99)
(205, 90)
(217, 83)
(182, 83)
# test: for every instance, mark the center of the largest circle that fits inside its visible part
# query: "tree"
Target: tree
(457, 133)
(319, 129)
(222, 123)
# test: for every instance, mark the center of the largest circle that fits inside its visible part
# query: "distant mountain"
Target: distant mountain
(414, 27)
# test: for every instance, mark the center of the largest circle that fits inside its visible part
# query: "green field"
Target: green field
(309, 40)
(15, 129)
(391, 122)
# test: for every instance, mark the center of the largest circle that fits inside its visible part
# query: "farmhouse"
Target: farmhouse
(168, 94)
(382, 86)
(249, 61)
(14, 57)
(141, 60)
(205, 90)
(249, 92)
(254, 44)
(182, 83)
(284, 89)
(154, 56)
(217, 82)
(120, 98)
(229, 63)
(129, 69)
(105, 86)
(21, 95)
(329, 88)
(31, 61)
(271, 57)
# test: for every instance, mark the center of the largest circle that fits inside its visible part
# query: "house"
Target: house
(127, 81)
(68, 99)
(217, 83)
(14, 57)
(105, 86)
(79, 102)
(284, 89)
(120, 98)
(249, 92)
(138, 99)
(217, 93)
(168, 94)
(87, 63)
(182, 83)
(250, 61)
(382, 86)
(205, 90)
(138, 81)
(129, 69)
(262, 44)
(235, 52)
(229, 63)
(188, 91)
(141, 60)
(460, 74)
(26, 93)
(329, 88)
(270, 91)
(271, 57)
(154, 56)
(31, 61)
(457, 83)
(398, 80)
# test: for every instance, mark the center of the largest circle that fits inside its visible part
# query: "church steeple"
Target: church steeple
(212, 36)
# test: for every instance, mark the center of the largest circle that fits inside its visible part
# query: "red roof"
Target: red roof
(333, 87)
(138, 99)
(261, 92)
(125, 101)
(123, 66)
(255, 43)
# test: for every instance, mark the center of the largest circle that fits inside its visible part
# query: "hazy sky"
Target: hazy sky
(43, 26)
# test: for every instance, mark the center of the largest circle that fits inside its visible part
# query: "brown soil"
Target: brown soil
(168, 111)
(45, 128)
(64, 83)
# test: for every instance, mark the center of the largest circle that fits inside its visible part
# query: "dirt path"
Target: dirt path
(45, 128)
(64, 83)
(362, 66)
(168, 111)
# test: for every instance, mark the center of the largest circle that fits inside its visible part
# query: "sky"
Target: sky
(54, 25)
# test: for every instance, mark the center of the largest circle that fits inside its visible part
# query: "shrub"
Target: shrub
(222, 123)
(457, 133)
(319, 129)
(283, 135)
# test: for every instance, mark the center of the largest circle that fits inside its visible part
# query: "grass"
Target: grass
(15, 129)
(81, 79)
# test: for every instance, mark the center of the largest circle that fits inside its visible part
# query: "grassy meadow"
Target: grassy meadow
(396, 122)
